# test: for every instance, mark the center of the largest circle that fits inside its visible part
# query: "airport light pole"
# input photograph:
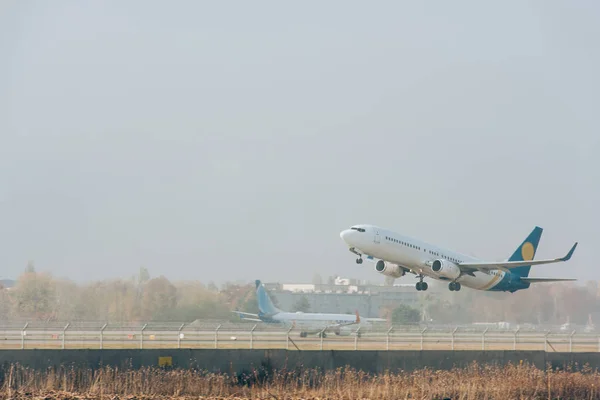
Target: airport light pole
(546, 341)
(515, 340)
(387, 339)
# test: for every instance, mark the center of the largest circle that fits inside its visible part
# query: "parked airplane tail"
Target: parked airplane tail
(526, 252)
(265, 305)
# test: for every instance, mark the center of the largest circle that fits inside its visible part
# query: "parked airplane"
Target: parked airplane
(314, 323)
(398, 254)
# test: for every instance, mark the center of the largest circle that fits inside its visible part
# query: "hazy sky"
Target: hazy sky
(235, 140)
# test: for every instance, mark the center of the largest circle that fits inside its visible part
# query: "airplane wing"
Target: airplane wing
(241, 313)
(248, 316)
(504, 265)
(338, 325)
(540, 280)
(375, 319)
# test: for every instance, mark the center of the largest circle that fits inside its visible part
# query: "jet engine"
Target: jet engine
(344, 331)
(446, 269)
(388, 269)
(347, 330)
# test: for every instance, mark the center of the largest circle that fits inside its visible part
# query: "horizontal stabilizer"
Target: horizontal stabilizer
(541, 280)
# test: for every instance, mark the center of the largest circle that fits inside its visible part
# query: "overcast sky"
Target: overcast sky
(235, 140)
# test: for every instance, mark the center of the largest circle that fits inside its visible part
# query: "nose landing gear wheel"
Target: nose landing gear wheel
(421, 286)
(359, 260)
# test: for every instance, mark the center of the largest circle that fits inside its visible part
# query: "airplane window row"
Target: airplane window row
(454, 260)
(391, 239)
(412, 246)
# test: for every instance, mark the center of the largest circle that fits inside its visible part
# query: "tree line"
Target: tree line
(142, 298)
(41, 296)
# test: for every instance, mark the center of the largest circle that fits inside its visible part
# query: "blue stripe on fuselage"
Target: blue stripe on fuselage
(510, 283)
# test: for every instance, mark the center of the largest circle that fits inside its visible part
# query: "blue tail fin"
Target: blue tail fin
(265, 305)
(526, 252)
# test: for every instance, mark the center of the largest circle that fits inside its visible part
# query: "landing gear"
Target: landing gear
(454, 286)
(302, 334)
(359, 260)
(421, 286)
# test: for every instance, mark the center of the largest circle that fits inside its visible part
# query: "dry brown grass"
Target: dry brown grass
(476, 382)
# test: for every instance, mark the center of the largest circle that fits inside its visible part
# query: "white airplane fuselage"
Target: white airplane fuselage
(316, 321)
(408, 254)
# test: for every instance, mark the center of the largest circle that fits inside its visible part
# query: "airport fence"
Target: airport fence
(93, 335)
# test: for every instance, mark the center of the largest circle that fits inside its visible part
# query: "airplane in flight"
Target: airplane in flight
(397, 254)
(308, 323)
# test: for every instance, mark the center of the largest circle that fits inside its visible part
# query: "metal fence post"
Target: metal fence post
(387, 339)
(217, 336)
(483, 339)
(287, 338)
(179, 336)
(102, 336)
(546, 341)
(453, 332)
(252, 336)
(64, 332)
(142, 336)
(571, 342)
(321, 334)
(515, 341)
(23, 335)
(422, 332)
(356, 338)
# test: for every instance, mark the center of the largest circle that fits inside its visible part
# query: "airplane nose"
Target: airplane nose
(344, 235)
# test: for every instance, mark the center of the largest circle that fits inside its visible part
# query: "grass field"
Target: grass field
(476, 382)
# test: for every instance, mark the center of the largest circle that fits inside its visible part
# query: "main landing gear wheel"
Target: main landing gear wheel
(421, 286)
(302, 334)
(454, 286)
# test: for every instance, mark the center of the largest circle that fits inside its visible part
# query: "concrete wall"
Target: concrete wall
(237, 361)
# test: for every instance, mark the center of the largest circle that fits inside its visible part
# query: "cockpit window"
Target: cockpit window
(358, 229)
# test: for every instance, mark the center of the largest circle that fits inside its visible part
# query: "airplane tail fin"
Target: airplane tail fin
(526, 252)
(265, 305)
